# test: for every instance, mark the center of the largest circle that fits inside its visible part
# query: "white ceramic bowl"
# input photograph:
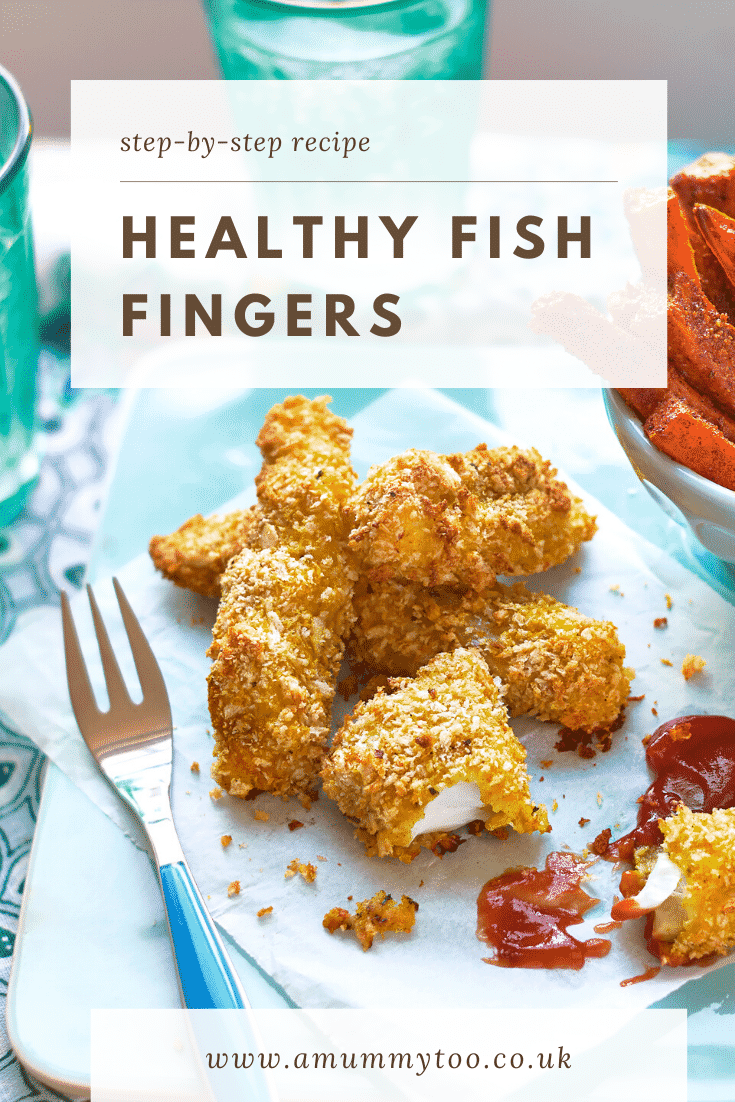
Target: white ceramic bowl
(694, 502)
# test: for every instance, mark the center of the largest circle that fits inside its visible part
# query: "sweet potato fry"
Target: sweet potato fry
(643, 401)
(679, 432)
(680, 257)
(702, 343)
(718, 230)
(679, 388)
(709, 180)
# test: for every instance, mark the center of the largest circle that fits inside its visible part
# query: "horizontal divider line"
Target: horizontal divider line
(369, 181)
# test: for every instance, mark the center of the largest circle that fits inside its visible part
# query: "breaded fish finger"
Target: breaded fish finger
(306, 484)
(196, 555)
(286, 609)
(398, 751)
(554, 662)
(277, 646)
(462, 519)
(688, 886)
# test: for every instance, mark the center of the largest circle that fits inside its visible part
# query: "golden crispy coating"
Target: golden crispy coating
(277, 647)
(462, 519)
(553, 662)
(379, 915)
(306, 484)
(306, 472)
(397, 751)
(702, 846)
(285, 610)
(196, 554)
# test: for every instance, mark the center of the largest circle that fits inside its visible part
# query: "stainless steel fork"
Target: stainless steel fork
(132, 744)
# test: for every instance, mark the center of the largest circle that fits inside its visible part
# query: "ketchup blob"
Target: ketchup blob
(524, 913)
(693, 758)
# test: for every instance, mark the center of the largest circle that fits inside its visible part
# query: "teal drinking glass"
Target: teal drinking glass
(348, 39)
(18, 307)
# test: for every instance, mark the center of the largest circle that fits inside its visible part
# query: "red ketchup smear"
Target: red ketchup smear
(694, 759)
(647, 975)
(524, 913)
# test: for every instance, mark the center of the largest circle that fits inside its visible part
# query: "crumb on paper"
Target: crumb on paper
(555, 806)
(617, 589)
(194, 767)
(261, 816)
(601, 842)
(692, 664)
(583, 822)
(234, 888)
(421, 883)
(216, 793)
(307, 870)
(265, 911)
(599, 799)
(320, 858)
(665, 662)
(669, 602)
(635, 699)
(295, 824)
(547, 764)
(578, 570)
(226, 840)
(654, 712)
(379, 915)
(347, 687)
(661, 622)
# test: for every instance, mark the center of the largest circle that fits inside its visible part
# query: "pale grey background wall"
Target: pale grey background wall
(692, 44)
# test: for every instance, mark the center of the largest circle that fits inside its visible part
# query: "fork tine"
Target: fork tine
(149, 672)
(81, 693)
(116, 689)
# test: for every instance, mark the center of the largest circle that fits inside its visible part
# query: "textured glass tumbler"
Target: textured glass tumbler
(18, 307)
(348, 39)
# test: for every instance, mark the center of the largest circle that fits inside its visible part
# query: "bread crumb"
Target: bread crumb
(234, 888)
(692, 664)
(262, 816)
(295, 824)
(634, 699)
(661, 622)
(654, 712)
(669, 602)
(265, 911)
(555, 806)
(617, 589)
(307, 870)
(320, 858)
(225, 840)
(194, 767)
(547, 764)
(665, 662)
(599, 799)
(216, 793)
(583, 822)
(379, 915)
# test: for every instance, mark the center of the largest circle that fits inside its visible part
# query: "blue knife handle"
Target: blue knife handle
(206, 976)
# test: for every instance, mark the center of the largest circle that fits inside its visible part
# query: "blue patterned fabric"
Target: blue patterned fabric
(44, 551)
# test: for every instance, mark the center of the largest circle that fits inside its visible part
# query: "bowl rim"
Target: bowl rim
(619, 412)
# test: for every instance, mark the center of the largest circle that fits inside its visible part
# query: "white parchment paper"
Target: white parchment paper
(618, 576)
